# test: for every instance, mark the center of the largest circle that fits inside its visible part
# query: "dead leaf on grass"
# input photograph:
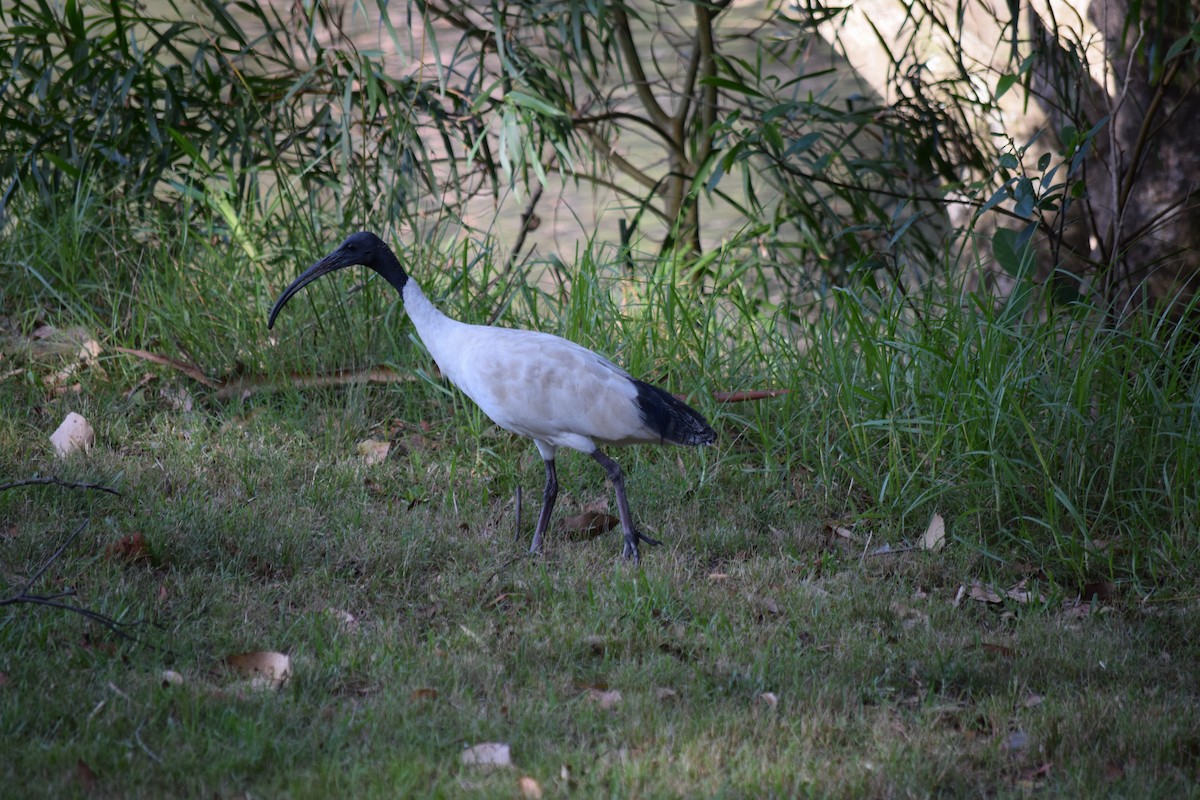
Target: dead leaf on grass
(590, 523)
(1113, 772)
(424, 693)
(910, 617)
(1077, 609)
(372, 451)
(177, 397)
(766, 604)
(130, 549)
(345, 620)
(934, 537)
(1031, 779)
(529, 787)
(1017, 740)
(999, 649)
(607, 700)
(75, 433)
(86, 776)
(488, 754)
(1099, 590)
(770, 698)
(1020, 594)
(985, 594)
(266, 669)
(843, 532)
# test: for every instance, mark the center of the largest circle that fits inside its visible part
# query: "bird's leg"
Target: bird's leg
(632, 535)
(549, 495)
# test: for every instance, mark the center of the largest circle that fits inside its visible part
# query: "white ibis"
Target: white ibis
(534, 384)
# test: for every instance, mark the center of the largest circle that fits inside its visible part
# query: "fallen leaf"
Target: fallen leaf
(592, 523)
(346, 621)
(85, 776)
(766, 604)
(424, 693)
(265, 668)
(177, 397)
(372, 451)
(529, 787)
(934, 537)
(984, 594)
(1017, 740)
(73, 434)
(1020, 594)
(607, 700)
(910, 617)
(1078, 609)
(488, 754)
(130, 549)
(1030, 778)
(770, 698)
(844, 532)
(1099, 590)
(171, 678)
(89, 351)
(718, 576)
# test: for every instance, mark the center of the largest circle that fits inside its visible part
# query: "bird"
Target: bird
(534, 384)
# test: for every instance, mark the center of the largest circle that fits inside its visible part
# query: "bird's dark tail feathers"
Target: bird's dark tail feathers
(671, 418)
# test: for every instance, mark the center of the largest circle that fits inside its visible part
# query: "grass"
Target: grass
(258, 522)
(1060, 453)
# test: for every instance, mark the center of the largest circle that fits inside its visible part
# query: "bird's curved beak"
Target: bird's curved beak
(330, 263)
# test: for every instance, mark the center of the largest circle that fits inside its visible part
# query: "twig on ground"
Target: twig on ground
(137, 735)
(52, 600)
(53, 480)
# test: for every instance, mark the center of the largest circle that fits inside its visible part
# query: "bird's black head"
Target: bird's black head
(363, 248)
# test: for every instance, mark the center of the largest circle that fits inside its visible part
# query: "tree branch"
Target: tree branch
(633, 62)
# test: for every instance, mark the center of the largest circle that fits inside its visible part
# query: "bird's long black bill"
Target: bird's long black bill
(326, 265)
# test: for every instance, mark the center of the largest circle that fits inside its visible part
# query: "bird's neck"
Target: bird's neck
(431, 324)
(389, 267)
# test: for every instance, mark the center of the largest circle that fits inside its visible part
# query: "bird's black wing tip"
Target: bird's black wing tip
(671, 418)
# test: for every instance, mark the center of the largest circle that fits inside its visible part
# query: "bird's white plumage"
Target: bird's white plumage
(531, 383)
(534, 384)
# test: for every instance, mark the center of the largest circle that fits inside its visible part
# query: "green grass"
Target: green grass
(1060, 452)
(258, 521)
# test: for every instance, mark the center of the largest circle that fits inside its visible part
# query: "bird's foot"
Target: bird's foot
(630, 551)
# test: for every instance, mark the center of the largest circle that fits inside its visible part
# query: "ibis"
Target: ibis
(534, 384)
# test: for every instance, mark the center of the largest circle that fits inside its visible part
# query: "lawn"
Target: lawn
(766, 649)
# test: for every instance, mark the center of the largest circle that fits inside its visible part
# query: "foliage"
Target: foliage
(168, 112)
